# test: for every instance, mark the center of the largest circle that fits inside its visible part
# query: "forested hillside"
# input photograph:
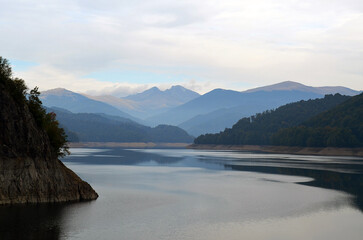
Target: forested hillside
(341, 126)
(90, 127)
(259, 129)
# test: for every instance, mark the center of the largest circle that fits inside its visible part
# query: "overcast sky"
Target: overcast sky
(120, 47)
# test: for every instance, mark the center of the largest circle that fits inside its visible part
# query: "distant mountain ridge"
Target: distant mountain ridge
(247, 103)
(151, 101)
(197, 114)
(290, 86)
(177, 94)
(77, 103)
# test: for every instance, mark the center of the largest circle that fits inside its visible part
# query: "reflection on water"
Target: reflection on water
(192, 194)
(39, 222)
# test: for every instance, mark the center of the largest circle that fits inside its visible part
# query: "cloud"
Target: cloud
(47, 77)
(229, 44)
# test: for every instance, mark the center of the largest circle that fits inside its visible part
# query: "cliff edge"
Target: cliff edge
(30, 171)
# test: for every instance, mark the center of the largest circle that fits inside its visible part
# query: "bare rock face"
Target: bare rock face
(29, 171)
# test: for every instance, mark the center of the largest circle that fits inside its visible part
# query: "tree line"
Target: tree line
(334, 120)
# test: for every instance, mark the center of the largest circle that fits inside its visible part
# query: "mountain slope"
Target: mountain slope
(90, 127)
(258, 129)
(78, 103)
(221, 119)
(119, 103)
(341, 126)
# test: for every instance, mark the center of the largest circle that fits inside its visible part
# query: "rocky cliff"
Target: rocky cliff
(29, 171)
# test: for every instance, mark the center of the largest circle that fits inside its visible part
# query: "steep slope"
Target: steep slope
(78, 103)
(29, 170)
(90, 127)
(249, 103)
(341, 126)
(258, 129)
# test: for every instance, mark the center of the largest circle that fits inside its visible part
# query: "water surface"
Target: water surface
(193, 194)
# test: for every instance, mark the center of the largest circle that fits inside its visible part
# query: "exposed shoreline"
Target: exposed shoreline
(328, 151)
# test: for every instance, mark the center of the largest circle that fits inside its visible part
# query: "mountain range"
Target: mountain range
(243, 104)
(197, 114)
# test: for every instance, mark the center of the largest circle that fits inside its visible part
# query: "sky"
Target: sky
(122, 47)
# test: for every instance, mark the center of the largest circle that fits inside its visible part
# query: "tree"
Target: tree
(5, 70)
(48, 121)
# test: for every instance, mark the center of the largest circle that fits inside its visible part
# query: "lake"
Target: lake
(200, 194)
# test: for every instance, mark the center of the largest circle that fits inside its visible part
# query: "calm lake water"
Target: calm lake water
(194, 194)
